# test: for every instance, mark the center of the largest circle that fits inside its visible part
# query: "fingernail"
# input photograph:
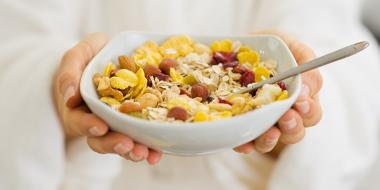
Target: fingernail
(305, 91)
(269, 141)
(69, 92)
(121, 149)
(94, 131)
(289, 125)
(303, 107)
(134, 157)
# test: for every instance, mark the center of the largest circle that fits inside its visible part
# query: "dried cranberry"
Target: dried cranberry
(239, 69)
(282, 85)
(224, 101)
(230, 64)
(223, 57)
(162, 76)
(247, 78)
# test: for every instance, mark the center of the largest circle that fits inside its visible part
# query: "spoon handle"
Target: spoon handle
(315, 63)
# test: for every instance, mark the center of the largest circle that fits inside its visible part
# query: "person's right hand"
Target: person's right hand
(76, 118)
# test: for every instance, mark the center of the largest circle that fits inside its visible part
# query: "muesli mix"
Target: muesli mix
(182, 80)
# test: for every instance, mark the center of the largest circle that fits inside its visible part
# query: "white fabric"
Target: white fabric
(339, 153)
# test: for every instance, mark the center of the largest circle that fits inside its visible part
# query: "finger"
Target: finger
(310, 110)
(82, 123)
(154, 157)
(139, 153)
(112, 142)
(267, 141)
(245, 148)
(72, 65)
(291, 127)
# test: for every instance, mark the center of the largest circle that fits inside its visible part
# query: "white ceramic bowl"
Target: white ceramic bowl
(191, 138)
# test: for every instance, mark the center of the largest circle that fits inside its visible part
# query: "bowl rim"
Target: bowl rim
(190, 125)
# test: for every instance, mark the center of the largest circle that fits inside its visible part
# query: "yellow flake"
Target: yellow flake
(119, 83)
(222, 46)
(190, 80)
(128, 76)
(200, 116)
(110, 101)
(178, 101)
(261, 73)
(251, 57)
(108, 69)
(225, 114)
(283, 96)
(244, 48)
(140, 88)
(182, 44)
(176, 77)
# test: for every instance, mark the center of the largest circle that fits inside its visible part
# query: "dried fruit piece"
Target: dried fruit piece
(179, 102)
(200, 116)
(247, 78)
(126, 62)
(148, 100)
(108, 69)
(110, 101)
(176, 77)
(282, 85)
(224, 101)
(199, 90)
(239, 69)
(162, 77)
(261, 73)
(230, 64)
(223, 57)
(251, 57)
(127, 76)
(129, 107)
(283, 96)
(167, 64)
(178, 113)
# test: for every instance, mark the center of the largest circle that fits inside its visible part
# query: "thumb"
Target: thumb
(72, 65)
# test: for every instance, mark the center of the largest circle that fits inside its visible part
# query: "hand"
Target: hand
(306, 112)
(75, 117)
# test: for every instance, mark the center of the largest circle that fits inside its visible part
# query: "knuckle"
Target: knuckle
(95, 145)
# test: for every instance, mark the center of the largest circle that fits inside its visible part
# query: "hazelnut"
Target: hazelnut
(129, 106)
(177, 113)
(199, 90)
(151, 70)
(148, 100)
(166, 64)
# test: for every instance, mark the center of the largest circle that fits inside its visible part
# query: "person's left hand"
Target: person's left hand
(306, 112)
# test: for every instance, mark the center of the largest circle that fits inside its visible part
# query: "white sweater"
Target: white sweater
(341, 152)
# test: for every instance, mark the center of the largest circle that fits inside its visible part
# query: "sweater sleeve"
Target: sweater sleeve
(338, 152)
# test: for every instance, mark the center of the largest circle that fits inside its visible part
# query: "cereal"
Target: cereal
(185, 81)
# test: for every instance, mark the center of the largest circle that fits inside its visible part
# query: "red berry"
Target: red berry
(162, 76)
(239, 69)
(223, 57)
(282, 85)
(224, 101)
(247, 78)
(230, 64)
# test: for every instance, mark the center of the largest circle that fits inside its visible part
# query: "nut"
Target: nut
(129, 106)
(177, 113)
(166, 64)
(126, 62)
(96, 78)
(199, 90)
(148, 100)
(151, 70)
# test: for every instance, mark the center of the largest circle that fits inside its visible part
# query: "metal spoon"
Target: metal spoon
(315, 63)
